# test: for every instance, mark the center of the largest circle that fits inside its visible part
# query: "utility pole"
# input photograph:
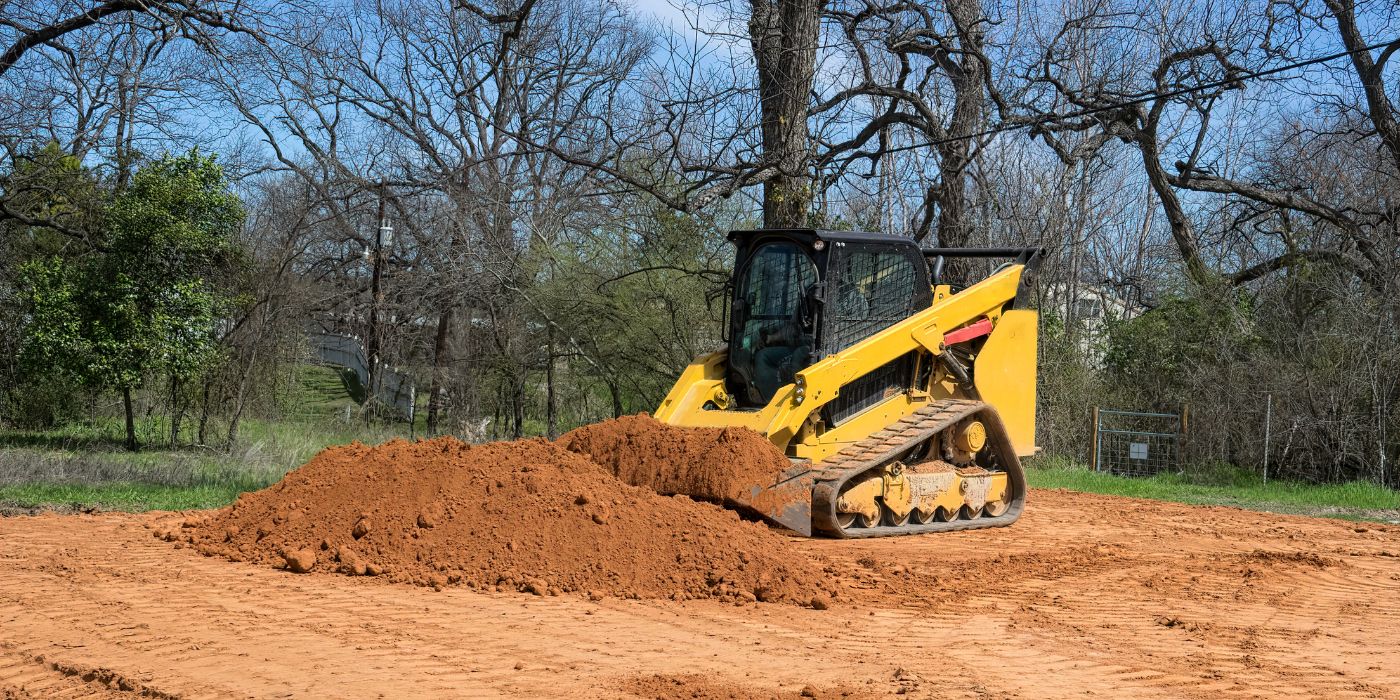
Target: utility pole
(383, 236)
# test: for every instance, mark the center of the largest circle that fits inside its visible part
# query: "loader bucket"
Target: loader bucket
(788, 502)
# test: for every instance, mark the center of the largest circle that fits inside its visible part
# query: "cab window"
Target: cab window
(773, 319)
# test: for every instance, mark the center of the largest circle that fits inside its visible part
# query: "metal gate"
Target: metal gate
(1136, 443)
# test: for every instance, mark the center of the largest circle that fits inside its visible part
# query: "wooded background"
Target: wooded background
(189, 189)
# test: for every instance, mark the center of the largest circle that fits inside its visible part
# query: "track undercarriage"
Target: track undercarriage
(948, 466)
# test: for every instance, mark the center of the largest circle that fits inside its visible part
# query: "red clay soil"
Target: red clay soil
(526, 515)
(694, 686)
(1086, 596)
(710, 463)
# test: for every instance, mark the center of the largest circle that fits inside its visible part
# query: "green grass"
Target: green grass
(125, 496)
(84, 465)
(327, 392)
(1226, 486)
(87, 474)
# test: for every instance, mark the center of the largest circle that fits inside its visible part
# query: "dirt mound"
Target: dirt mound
(528, 515)
(710, 463)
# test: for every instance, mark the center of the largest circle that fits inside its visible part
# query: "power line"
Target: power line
(1145, 97)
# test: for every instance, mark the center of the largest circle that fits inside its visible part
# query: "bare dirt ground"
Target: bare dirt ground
(1087, 596)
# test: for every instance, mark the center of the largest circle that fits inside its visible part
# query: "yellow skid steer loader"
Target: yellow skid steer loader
(905, 405)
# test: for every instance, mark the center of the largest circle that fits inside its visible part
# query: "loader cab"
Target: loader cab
(799, 295)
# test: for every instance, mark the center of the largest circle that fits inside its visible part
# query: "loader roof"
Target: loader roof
(827, 235)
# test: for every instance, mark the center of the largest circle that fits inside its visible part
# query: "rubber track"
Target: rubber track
(883, 446)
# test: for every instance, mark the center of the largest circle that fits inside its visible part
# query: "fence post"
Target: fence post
(1183, 427)
(1268, 416)
(1094, 439)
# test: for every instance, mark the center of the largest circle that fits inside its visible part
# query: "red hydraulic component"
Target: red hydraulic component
(968, 332)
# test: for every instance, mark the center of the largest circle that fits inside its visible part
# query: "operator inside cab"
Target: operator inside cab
(785, 289)
(774, 319)
(787, 346)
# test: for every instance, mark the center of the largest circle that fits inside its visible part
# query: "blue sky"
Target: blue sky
(661, 9)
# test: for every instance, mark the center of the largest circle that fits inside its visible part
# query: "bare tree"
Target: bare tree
(926, 69)
(784, 35)
(30, 25)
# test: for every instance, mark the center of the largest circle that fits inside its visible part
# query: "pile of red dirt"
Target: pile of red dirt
(709, 463)
(526, 515)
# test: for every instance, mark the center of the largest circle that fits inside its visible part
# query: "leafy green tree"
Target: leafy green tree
(148, 301)
(50, 205)
(1160, 352)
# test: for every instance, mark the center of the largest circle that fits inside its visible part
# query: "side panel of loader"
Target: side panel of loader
(1005, 376)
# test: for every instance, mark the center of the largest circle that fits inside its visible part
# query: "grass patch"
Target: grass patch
(85, 465)
(1226, 486)
(85, 471)
(327, 392)
(124, 496)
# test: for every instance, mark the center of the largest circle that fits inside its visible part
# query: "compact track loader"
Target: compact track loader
(903, 403)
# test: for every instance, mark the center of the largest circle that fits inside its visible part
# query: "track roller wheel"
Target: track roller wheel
(855, 520)
(967, 513)
(891, 519)
(996, 509)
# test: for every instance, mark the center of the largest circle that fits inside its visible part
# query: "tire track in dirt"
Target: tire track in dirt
(1192, 650)
(1194, 613)
(23, 677)
(383, 632)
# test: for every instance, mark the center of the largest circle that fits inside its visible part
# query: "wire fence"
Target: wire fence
(1137, 443)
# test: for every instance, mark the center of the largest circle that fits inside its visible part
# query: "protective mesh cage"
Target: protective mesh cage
(777, 276)
(874, 288)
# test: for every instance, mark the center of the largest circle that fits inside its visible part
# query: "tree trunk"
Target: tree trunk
(967, 74)
(204, 413)
(130, 420)
(616, 394)
(784, 36)
(176, 411)
(1379, 108)
(517, 405)
(440, 362)
(551, 428)
(240, 398)
(1183, 231)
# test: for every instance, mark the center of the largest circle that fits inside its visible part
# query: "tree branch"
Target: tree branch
(47, 33)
